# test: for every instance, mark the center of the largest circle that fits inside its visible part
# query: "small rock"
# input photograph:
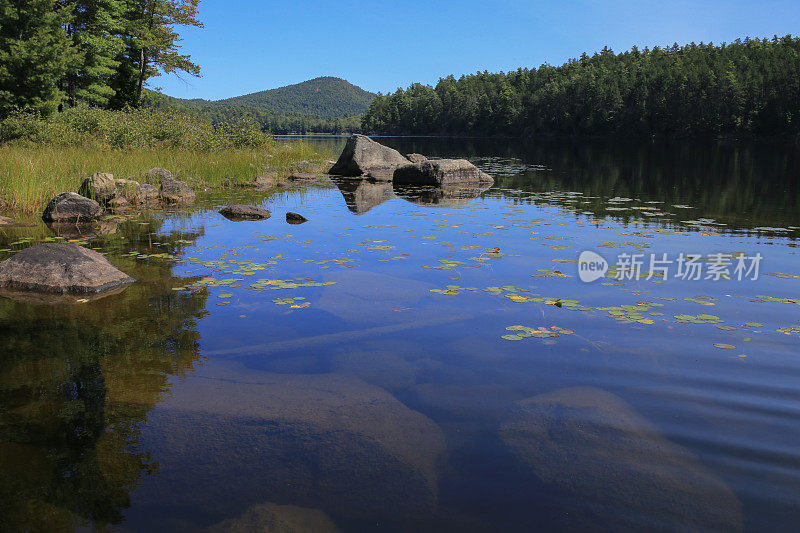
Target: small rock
(159, 174)
(295, 218)
(364, 157)
(71, 207)
(120, 202)
(126, 188)
(416, 158)
(265, 182)
(10, 222)
(301, 176)
(60, 268)
(440, 172)
(100, 187)
(176, 192)
(244, 212)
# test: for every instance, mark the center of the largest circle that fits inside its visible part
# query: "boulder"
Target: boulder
(361, 195)
(60, 268)
(146, 193)
(173, 191)
(439, 172)
(71, 207)
(232, 437)
(159, 174)
(364, 157)
(100, 187)
(273, 518)
(244, 212)
(295, 218)
(592, 445)
(126, 188)
(416, 158)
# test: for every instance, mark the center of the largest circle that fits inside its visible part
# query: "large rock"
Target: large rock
(361, 195)
(244, 212)
(438, 172)
(173, 191)
(590, 444)
(71, 207)
(60, 268)
(237, 437)
(273, 518)
(364, 157)
(99, 186)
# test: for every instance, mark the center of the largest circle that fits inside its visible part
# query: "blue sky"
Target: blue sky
(252, 45)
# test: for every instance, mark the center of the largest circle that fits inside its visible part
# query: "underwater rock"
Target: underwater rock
(244, 212)
(273, 518)
(591, 444)
(325, 441)
(71, 207)
(60, 268)
(364, 157)
(439, 172)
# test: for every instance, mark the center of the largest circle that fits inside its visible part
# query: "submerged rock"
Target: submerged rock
(295, 218)
(173, 191)
(361, 195)
(364, 157)
(439, 172)
(71, 207)
(591, 444)
(273, 518)
(240, 437)
(244, 212)
(60, 268)
(99, 186)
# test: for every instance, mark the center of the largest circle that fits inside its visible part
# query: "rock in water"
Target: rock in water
(273, 518)
(364, 157)
(71, 207)
(146, 193)
(59, 268)
(439, 172)
(176, 192)
(159, 174)
(99, 186)
(244, 212)
(295, 218)
(591, 444)
(323, 441)
(416, 158)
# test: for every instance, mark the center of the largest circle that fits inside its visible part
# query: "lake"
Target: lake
(428, 360)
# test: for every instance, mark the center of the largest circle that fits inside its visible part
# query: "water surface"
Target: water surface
(361, 365)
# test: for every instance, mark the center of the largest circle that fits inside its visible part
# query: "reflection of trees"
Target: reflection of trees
(76, 382)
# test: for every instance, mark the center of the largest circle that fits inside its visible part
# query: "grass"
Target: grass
(30, 176)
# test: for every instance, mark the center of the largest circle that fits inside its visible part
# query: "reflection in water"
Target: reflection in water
(75, 382)
(362, 195)
(447, 195)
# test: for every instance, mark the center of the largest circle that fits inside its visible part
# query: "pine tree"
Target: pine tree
(35, 55)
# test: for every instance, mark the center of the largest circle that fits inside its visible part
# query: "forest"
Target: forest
(748, 87)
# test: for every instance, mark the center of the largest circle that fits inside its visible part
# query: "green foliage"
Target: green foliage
(35, 54)
(747, 87)
(321, 105)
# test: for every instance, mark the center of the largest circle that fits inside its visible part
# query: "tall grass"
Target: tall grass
(41, 158)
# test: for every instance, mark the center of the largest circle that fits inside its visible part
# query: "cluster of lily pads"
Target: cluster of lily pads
(541, 332)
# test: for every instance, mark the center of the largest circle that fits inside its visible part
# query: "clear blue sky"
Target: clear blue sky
(252, 45)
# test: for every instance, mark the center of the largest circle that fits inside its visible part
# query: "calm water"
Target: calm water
(361, 366)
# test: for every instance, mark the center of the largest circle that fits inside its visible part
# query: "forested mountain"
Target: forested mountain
(750, 86)
(321, 105)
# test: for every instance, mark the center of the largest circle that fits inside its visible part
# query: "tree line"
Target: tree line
(62, 53)
(750, 86)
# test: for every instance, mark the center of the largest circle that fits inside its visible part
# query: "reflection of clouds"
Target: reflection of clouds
(590, 443)
(232, 436)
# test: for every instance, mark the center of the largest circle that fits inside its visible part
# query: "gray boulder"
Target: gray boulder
(416, 158)
(173, 191)
(60, 268)
(590, 444)
(244, 212)
(364, 157)
(71, 207)
(273, 518)
(99, 186)
(295, 218)
(159, 174)
(146, 193)
(439, 172)
(126, 188)
(322, 441)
